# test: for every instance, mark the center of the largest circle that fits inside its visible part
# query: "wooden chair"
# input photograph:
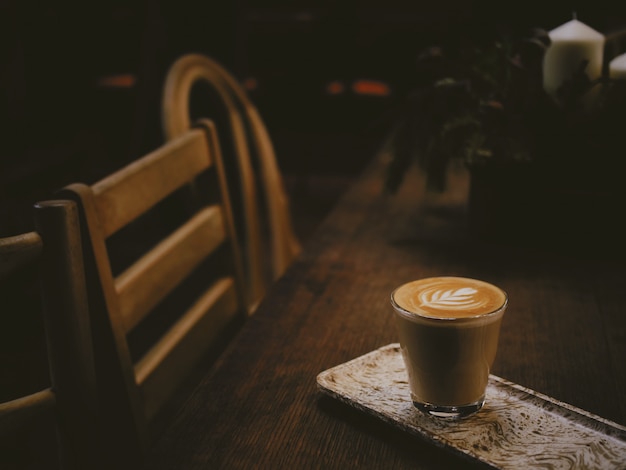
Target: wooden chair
(253, 149)
(149, 302)
(54, 250)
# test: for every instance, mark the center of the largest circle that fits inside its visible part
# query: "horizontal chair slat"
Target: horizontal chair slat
(117, 199)
(18, 250)
(144, 284)
(18, 413)
(179, 349)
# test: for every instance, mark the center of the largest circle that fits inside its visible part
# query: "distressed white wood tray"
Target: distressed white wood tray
(516, 428)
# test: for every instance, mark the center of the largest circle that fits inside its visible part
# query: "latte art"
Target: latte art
(449, 297)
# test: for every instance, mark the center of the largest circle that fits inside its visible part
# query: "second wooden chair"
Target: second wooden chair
(160, 315)
(253, 149)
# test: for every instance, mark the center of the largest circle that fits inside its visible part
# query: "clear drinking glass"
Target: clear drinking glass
(448, 329)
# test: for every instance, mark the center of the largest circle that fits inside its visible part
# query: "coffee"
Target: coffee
(448, 328)
(449, 297)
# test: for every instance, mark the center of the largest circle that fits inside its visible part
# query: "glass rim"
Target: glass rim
(410, 314)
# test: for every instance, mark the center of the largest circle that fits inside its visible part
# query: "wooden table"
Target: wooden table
(564, 335)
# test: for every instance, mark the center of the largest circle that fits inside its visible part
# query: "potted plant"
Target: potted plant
(533, 159)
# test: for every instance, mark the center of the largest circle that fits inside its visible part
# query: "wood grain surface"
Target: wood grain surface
(563, 335)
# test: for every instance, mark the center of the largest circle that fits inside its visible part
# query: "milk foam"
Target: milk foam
(449, 297)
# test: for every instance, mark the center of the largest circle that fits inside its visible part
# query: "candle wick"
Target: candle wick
(574, 16)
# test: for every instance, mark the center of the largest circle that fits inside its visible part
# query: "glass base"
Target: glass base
(451, 412)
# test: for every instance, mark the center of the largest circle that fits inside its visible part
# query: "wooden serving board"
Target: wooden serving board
(516, 428)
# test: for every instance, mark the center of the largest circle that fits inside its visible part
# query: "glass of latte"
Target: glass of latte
(448, 329)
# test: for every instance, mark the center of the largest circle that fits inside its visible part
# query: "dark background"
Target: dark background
(59, 125)
(60, 122)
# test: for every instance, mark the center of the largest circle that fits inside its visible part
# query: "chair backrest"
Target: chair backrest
(253, 149)
(54, 251)
(159, 316)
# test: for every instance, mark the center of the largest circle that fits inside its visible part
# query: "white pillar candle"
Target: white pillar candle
(617, 67)
(571, 43)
